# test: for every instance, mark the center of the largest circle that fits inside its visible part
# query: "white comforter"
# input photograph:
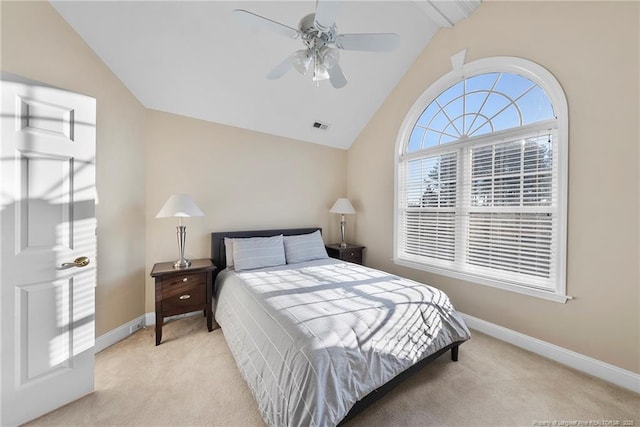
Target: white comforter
(311, 339)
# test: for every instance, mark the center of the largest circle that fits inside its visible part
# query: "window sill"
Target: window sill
(538, 293)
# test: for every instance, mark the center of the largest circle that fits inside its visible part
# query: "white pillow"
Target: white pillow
(228, 251)
(305, 247)
(257, 252)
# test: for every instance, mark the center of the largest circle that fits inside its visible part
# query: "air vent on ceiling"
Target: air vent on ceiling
(321, 126)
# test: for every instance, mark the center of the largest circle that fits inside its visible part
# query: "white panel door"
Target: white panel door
(47, 219)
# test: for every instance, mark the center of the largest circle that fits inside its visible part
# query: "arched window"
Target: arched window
(481, 178)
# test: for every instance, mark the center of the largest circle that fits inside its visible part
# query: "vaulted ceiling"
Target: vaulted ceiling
(194, 58)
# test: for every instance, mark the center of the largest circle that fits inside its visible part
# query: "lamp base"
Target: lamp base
(181, 233)
(342, 226)
(182, 263)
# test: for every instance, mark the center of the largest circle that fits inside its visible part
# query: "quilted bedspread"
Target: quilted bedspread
(311, 339)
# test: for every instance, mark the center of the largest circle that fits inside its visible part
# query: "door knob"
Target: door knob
(82, 261)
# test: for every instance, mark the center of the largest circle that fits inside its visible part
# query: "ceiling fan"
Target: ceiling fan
(318, 31)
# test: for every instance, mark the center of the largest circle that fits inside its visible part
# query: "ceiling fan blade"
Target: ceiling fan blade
(260, 21)
(372, 42)
(326, 12)
(337, 77)
(281, 69)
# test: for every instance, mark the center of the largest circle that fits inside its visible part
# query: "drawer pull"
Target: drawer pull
(185, 296)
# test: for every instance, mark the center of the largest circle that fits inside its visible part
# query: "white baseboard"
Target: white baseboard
(117, 334)
(150, 318)
(613, 374)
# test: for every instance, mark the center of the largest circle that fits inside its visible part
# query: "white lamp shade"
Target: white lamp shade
(179, 205)
(342, 206)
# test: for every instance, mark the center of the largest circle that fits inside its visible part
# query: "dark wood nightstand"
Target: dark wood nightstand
(352, 253)
(183, 290)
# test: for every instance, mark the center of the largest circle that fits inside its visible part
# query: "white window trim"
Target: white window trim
(543, 78)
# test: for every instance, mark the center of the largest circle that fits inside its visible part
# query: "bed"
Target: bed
(317, 340)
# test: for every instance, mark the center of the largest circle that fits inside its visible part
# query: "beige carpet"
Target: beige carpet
(191, 380)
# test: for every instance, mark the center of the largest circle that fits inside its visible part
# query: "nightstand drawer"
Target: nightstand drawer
(194, 296)
(352, 253)
(352, 256)
(178, 284)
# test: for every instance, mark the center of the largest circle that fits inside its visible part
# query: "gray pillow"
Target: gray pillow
(258, 252)
(305, 247)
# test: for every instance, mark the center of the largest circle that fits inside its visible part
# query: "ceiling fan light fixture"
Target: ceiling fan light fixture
(330, 57)
(320, 72)
(301, 61)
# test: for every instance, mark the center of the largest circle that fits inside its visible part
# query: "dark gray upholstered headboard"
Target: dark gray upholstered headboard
(218, 253)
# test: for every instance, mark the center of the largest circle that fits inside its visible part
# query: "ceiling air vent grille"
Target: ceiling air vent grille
(321, 126)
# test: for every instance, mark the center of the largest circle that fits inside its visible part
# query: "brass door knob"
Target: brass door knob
(82, 261)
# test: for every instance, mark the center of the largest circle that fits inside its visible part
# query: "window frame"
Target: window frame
(546, 81)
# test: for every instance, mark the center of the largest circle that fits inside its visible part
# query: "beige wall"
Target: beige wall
(241, 180)
(38, 44)
(592, 49)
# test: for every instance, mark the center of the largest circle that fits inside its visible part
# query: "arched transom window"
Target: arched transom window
(480, 105)
(481, 178)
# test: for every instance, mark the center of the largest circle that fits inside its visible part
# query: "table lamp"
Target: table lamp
(342, 207)
(180, 206)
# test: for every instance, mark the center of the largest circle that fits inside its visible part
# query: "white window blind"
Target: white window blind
(479, 185)
(429, 209)
(511, 210)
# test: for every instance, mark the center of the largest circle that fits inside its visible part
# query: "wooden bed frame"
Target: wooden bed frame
(218, 255)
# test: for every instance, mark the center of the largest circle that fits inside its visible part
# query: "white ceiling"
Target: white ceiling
(193, 58)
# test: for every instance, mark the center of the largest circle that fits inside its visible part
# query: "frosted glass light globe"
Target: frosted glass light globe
(301, 61)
